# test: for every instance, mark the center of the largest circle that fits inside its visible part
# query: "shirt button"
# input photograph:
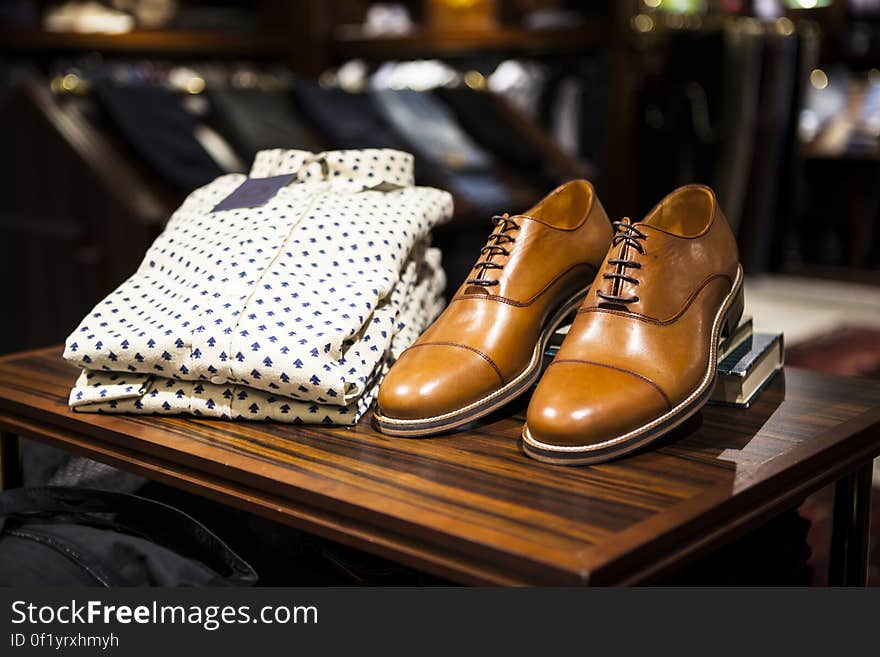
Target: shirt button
(218, 380)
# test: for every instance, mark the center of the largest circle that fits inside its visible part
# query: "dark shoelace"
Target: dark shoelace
(629, 236)
(503, 224)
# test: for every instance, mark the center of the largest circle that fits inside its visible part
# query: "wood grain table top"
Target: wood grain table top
(470, 505)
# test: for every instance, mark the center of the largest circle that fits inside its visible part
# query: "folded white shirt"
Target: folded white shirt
(294, 298)
(415, 302)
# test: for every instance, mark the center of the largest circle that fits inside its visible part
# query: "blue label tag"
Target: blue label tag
(254, 192)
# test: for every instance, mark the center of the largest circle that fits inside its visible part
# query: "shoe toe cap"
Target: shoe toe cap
(433, 380)
(584, 405)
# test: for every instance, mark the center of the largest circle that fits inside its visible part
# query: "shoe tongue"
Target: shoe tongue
(476, 290)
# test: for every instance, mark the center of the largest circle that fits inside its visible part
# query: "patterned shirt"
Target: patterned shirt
(271, 311)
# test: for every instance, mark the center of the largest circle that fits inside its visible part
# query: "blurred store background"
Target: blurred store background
(111, 112)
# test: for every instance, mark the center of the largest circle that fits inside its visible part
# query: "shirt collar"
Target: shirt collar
(351, 170)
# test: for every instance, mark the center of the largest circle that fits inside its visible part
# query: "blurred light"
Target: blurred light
(352, 75)
(195, 85)
(785, 26)
(808, 125)
(675, 21)
(475, 80)
(818, 79)
(186, 79)
(70, 82)
(246, 79)
(751, 26)
(643, 23)
(327, 79)
(807, 4)
(682, 6)
(767, 8)
(653, 4)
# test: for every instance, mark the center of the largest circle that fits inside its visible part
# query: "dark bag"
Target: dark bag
(55, 536)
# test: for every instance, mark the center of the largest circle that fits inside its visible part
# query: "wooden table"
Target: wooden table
(471, 506)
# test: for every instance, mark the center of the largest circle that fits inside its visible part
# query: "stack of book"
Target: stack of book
(747, 361)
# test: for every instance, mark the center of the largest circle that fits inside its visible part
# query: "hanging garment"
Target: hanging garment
(593, 73)
(467, 169)
(162, 132)
(348, 120)
(743, 47)
(774, 134)
(286, 311)
(481, 114)
(430, 126)
(572, 106)
(566, 116)
(258, 119)
(522, 83)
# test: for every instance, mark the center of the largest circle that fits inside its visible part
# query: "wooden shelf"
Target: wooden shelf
(351, 42)
(145, 41)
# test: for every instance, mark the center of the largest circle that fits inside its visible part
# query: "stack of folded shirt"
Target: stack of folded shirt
(291, 311)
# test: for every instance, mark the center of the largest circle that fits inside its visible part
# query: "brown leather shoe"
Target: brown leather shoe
(640, 358)
(487, 346)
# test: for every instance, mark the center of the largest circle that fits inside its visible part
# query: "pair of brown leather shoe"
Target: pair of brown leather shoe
(653, 300)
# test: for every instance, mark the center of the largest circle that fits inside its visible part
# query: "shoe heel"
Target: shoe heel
(734, 314)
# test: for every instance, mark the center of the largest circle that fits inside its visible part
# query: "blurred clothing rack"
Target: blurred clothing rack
(721, 107)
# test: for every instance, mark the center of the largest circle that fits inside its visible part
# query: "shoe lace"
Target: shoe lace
(503, 225)
(629, 236)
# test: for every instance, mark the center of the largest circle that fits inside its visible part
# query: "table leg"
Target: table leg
(851, 529)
